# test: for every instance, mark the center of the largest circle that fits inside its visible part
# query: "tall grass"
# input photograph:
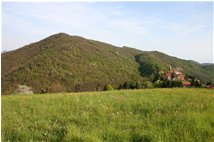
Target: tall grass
(119, 116)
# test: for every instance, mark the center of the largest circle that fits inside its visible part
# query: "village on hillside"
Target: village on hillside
(173, 77)
(176, 75)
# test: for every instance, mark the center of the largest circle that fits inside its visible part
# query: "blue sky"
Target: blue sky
(181, 29)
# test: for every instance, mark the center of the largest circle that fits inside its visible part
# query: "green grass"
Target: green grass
(129, 115)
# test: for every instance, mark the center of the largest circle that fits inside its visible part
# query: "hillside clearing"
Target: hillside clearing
(125, 115)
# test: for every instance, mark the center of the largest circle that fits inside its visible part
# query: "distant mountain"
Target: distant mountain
(208, 66)
(64, 63)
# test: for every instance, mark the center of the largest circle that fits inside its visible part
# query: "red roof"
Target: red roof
(169, 74)
(185, 83)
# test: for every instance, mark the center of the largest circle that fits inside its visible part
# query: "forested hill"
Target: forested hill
(64, 63)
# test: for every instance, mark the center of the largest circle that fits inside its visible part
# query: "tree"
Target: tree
(197, 83)
(132, 86)
(209, 83)
(166, 83)
(147, 84)
(158, 83)
(176, 83)
(108, 87)
(138, 85)
(120, 86)
(155, 76)
(126, 85)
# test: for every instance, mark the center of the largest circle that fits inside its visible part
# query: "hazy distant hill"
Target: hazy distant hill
(71, 63)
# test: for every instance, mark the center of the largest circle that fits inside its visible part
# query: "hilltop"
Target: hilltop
(64, 63)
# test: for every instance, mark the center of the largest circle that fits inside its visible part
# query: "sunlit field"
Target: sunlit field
(112, 116)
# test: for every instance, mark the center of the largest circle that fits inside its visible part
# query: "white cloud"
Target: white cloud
(115, 24)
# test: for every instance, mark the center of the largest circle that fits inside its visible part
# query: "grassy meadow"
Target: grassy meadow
(156, 115)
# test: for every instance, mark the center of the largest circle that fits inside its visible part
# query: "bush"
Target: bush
(176, 83)
(132, 86)
(108, 87)
(126, 85)
(138, 85)
(147, 84)
(158, 84)
(196, 83)
(209, 83)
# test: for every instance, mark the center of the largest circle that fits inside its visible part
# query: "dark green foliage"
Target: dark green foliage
(126, 85)
(120, 86)
(194, 81)
(165, 83)
(132, 85)
(159, 84)
(147, 84)
(176, 83)
(209, 83)
(155, 76)
(136, 85)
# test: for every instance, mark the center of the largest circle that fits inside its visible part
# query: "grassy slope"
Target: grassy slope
(127, 115)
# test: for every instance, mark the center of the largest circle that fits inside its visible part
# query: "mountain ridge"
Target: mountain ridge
(64, 63)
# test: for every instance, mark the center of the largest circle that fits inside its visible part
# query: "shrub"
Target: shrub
(108, 87)
(196, 83)
(158, 84)
(126, 85)
(176, 83)
(132, 86)
(138, 85)
(209, 83)
(147, 84)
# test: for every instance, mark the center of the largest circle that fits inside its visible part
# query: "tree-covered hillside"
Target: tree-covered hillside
(154, 61)
(64, 63)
